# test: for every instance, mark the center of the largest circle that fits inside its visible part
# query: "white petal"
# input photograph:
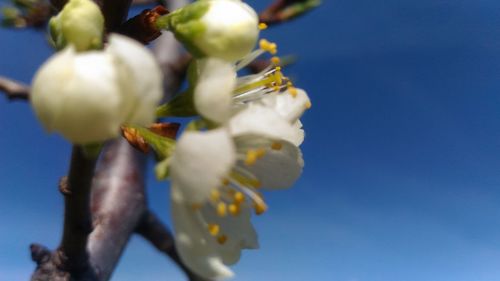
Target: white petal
(214, 88)
(200, 162)
(289, 106)
(140, 78)
(278, 168)
(264, 121)
(196, 247)
(77, 96)
(239, 231)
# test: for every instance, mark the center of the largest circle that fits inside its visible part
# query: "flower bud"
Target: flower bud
(87, 96)
(80, 23)
(226, 29)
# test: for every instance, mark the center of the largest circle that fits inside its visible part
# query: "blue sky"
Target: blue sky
(402, 175)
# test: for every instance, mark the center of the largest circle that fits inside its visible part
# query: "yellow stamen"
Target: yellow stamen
(215, 195)
(253, 155)
(234, 209)
(260, 207)
(308, 105)
(276, 145)
(262, 26)
(267, 46)
(213, 229)
(275, 60)
(239, 197)
(222, 239)
(225, 182)
(293, 91)
(221, 209)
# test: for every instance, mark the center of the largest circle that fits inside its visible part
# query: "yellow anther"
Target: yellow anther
(255, 183)
(275, 60)
(221, 209)
(225, 182)
(215, 195)
(260, 152)
(222, 239)
(213, 229)
(277, 146)
(260, 208)
(276, 88)
(234, 209)
(239, 197)
(267, 46)
(251, 157)
(262, 26)
(196, 206)
(308, 105)
(293, 91)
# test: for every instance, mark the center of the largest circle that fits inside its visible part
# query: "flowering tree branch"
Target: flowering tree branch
(14, 89)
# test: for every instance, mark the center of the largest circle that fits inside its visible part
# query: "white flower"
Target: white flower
(80, 23)
(218, 94)
(225, 29)
(217, 176)
(87, 96)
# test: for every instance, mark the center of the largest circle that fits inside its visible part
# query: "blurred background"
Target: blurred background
(402, 153)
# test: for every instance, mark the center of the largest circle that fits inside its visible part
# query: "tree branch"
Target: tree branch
(14, 90)
(153, 230)
(118, 201)
(70, 261)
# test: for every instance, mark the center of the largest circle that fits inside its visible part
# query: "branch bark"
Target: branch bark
(14, 90)
(118, 201)
(70, 261)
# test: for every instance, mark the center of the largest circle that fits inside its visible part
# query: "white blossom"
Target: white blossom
(87, 96)
(216, 178)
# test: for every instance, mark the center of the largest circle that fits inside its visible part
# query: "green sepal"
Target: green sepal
(182, 105)
(186, 25)
(163, 146)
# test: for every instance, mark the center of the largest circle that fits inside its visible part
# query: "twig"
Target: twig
(142, 27)
(14, 90)
(283, 10)
(71, 260)
(153, 230)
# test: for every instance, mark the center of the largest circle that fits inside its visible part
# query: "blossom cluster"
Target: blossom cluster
(245, 133)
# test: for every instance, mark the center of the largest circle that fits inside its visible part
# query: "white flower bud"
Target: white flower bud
(225, 29)
(80, 23)
(231, 30)
(87, 96)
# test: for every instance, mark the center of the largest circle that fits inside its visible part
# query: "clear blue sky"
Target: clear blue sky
(402, 176)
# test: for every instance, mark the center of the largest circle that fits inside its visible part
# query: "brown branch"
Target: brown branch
(118, 201)
(153, 230)
(143, 26)
(14, 90)
(71, 261)
(146, 2)
(283, 10)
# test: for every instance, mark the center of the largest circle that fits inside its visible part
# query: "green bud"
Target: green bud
(80, 23)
